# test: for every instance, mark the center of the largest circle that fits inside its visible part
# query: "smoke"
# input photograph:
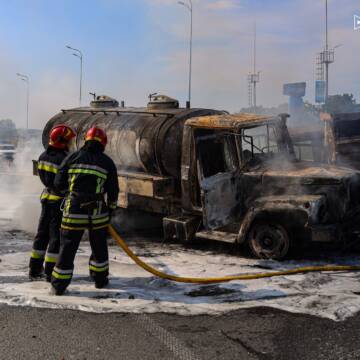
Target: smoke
(19, 189)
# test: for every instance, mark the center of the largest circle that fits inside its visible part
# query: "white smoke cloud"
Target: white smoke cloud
(20, 190)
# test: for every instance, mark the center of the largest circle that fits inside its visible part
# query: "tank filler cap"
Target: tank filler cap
(102, 101)
(162, 102)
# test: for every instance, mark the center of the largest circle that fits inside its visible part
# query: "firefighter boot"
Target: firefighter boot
(57, 291)
(36, 269)
(101, 283)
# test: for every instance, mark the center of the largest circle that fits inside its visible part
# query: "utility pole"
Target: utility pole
(327, 54)
(26, 79)
(189, 6)
(254, 77)
(325, 58)
(254, 82)
(79, 55)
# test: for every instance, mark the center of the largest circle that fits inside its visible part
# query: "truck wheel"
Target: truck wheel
(269, 241)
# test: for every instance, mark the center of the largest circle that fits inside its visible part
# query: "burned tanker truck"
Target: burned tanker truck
(211, 175)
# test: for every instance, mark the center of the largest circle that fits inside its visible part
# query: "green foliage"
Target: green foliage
(345, 103)
(341, 104)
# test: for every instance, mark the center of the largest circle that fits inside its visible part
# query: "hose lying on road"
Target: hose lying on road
(213, 280)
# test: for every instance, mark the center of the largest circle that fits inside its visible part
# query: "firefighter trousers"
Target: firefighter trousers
(47, 240)
(69, 244)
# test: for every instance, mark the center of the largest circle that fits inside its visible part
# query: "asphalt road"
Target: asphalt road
(258, 333)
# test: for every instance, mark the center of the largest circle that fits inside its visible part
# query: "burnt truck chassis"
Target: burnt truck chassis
(226, 185)
(335, 140)
(275, 205)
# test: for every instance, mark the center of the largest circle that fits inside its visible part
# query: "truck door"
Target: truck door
(218, 177)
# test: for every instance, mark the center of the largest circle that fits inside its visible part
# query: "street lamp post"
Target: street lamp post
(79, 55)
(189, 6)
(26, 79)
(326, 57)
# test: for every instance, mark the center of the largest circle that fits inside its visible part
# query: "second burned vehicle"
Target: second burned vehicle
(231, 178)
(333, 140)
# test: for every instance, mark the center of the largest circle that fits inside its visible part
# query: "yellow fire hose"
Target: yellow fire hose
(299, 270)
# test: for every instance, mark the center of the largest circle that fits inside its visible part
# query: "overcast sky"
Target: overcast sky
(135, 47)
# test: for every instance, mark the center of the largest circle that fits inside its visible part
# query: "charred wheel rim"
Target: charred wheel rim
(269, 241)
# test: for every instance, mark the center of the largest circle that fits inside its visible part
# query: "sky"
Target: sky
(132, 48)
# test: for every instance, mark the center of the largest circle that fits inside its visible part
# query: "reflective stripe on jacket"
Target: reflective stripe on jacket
(48, 166)
(91, 173)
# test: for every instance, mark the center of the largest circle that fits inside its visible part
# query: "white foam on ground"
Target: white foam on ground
(330, 295)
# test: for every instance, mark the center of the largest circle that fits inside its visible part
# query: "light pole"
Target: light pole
(327, 56)
(323, 61)
(189, 6)
(79, 55)
(26, 79)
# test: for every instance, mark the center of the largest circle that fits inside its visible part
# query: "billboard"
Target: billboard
(295, 89)
(320, 87)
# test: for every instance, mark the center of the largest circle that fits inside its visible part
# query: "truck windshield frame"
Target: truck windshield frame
(217, 153)
(255, 144)
(264, 140)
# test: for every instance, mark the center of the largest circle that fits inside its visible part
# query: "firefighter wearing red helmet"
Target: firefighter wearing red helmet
(90, 179)
(47, 240)
(97, 134)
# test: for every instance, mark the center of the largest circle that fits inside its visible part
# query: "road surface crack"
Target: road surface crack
(260, 355)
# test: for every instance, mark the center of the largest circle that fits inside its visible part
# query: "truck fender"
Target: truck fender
(246, 224)
(254, 213)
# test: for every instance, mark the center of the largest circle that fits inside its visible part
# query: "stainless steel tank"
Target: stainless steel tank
(139, 139)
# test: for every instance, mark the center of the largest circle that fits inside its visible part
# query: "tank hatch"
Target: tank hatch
(102, 101)
(162, 102)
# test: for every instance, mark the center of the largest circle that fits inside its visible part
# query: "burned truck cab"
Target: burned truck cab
(241, 183)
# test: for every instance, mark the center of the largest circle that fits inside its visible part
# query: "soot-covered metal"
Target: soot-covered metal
(208, 174)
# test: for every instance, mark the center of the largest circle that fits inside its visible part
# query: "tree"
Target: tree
(7, 124)
(341, 104)
(8, 132)
(260, 110)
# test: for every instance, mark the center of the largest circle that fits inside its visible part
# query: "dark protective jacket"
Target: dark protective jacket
(48, 166)
(88, 175)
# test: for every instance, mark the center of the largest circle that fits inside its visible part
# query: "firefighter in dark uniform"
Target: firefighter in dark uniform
(47, 240)
(87, 175)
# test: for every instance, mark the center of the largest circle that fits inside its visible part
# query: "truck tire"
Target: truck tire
(268, 240)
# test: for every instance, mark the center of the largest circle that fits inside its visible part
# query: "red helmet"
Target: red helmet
(97, 134)
(60, 136)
